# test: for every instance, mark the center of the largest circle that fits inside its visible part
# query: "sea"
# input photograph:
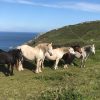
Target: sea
(9, 40)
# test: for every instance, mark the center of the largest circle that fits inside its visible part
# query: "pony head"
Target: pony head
(93, 48)
(20, 55)
(17, 53)
(50, 49)
(71, 50)
(77, 48)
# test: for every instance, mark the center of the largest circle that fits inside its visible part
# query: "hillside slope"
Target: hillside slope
(83, 33)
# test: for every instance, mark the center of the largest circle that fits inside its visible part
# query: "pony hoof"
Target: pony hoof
(42, 67)
(72, 64)
(7, 75)
(22, 70)
(11, 74)
(19, 70)
(36, 72)
(65, 66)
(55, 68)
(40, 71)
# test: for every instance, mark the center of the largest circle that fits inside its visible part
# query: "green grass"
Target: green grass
(74, 83)
(82, 33)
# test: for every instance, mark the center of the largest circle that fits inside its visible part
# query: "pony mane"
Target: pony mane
(42, 45)
(65, 49)
(87, 48)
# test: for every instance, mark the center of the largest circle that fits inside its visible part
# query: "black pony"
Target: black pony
(11, 58)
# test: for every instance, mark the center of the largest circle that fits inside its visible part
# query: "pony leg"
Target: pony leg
(19, 69)
(8, 70)
(40, 65)
(65, 66)
(82, 63)
(17, 65)
(86, 57)
(56, 64)
(42, 62)
(20, 66)
(11, 72)
(37, 67)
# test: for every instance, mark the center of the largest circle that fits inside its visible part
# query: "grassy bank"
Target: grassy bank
(73, 83)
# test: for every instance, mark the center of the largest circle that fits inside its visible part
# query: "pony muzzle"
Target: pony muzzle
(50, 53)
(93, 53)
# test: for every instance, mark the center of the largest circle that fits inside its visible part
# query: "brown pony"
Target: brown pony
(68, 58)
(77, 48)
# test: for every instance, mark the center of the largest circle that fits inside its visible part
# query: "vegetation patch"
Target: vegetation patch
(61, 94)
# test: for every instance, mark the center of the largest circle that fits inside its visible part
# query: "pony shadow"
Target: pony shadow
(29, 65)
(49, 63)
(4, 70)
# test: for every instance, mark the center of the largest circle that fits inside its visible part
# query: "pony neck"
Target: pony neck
(65, 50)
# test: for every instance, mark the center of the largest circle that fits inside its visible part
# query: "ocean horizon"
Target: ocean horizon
(9, 40)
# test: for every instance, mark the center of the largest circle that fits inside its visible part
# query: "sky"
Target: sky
(45, 15)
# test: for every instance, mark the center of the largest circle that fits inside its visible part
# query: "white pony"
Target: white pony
(58, 54)
(86, 51)
(35, 53)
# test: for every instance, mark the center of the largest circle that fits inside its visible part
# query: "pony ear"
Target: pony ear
(93, 44)
(51, 43)
(20, 49)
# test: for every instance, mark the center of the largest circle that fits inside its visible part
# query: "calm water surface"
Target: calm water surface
(13, 39)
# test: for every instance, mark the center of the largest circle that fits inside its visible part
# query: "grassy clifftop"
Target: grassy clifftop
(82, 33)
(74, 83)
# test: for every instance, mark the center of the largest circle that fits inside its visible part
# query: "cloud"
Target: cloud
(88, 7)
(9, 1)
(83, 6)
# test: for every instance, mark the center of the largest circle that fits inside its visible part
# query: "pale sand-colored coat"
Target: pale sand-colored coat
(58, 54)
(35, 53)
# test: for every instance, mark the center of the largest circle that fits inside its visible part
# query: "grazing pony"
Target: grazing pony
(10, 58)
(36, 53)
(58, 54)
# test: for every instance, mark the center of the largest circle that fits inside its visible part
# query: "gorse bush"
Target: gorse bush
(61, 94)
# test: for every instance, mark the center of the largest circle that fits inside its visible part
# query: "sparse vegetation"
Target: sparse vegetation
(83, 33)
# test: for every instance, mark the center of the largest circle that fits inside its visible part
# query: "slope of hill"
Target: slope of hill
(83, 33)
